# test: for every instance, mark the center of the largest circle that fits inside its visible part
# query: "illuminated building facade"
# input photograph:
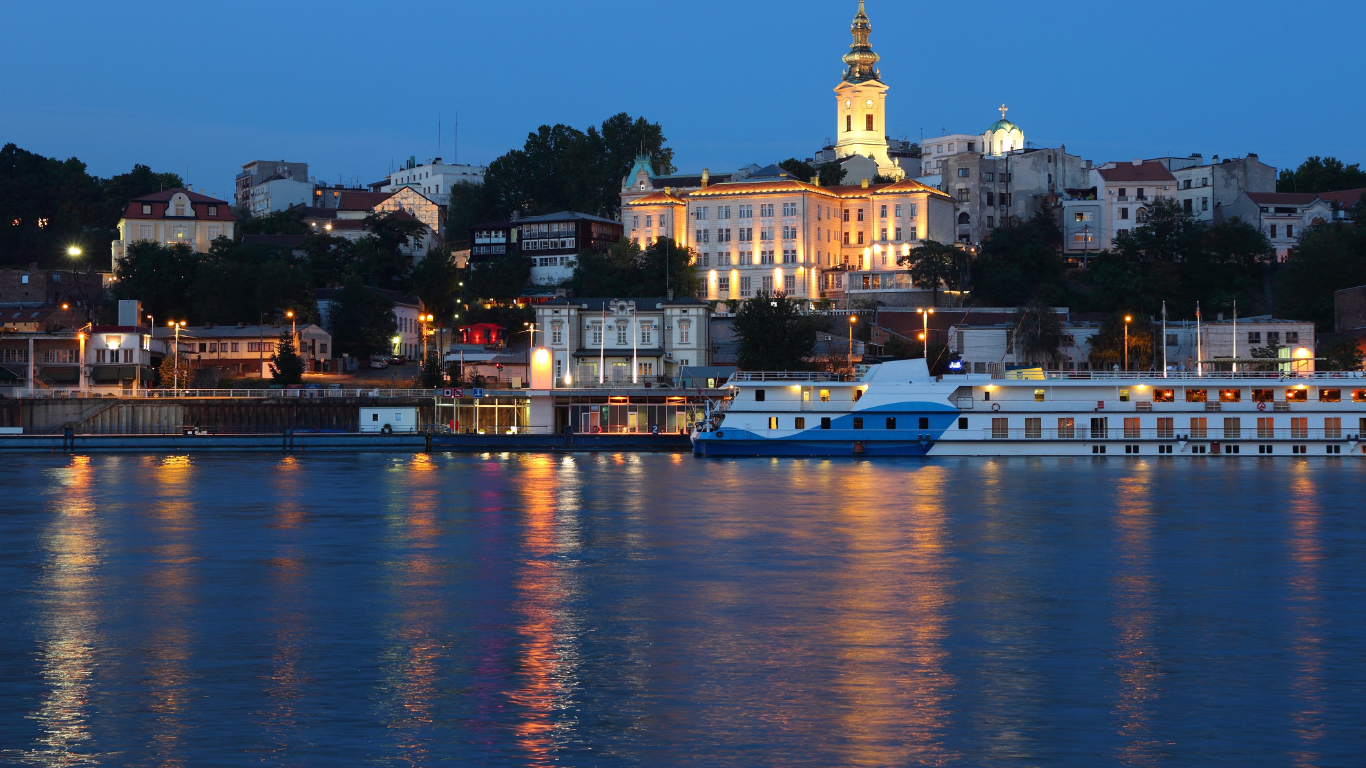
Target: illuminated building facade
(598, 339)
(174, 217)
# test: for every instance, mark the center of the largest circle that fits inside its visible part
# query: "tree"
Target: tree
(288, 222)
(934, 264)
(627, 270)
(361, 321)
(1107, 346)
(799, 170)
(175, 372)
(160, 277)
(436, 280)
(501, 278)
(1039, 336)
(832, 174)
(1321, 174)
(1329, 258)
(432, 371)
(1343, 354)
(773, 334)
(286, 367)
(379, 256)
(1165, 232)
(1020, 263)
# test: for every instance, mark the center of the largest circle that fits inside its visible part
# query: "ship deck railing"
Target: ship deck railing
(1085, 432)
(1028, 375)
(790, 376)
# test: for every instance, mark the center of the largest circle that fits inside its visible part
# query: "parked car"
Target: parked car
(397, 360)
(379, 361)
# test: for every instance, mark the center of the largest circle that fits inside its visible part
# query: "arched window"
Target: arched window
(1142, 215)
(963, 218)
(1316, 221)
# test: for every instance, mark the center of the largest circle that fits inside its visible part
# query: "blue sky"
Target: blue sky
(349, 86)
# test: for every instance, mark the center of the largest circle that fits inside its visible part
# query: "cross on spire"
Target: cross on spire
(1003, 108)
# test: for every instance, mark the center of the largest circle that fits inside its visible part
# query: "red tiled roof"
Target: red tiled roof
(907, 185)
(352, 200)
(1345, 198)
(1149, 171)
(658, 198)
(1283, 198)
(760, 187)
(855, 190)
(199, 206)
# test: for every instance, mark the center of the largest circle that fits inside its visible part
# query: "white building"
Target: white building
(592, 339)
(1202, 188)
(434, 178)
(1281, 216)
(934, 151)
(278, 193)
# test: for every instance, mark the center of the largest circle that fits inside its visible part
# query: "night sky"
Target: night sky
(351, 87)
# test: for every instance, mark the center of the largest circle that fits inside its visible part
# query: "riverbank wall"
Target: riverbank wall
(111, 416)
(304, 441)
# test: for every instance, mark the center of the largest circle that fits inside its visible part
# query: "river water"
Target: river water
(599, 609)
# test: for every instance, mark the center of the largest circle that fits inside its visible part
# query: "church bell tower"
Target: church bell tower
(861, 103)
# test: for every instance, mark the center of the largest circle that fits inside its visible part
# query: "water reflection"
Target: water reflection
(1306, 607)
(1140, 673)
(68, 636)
(285, 576)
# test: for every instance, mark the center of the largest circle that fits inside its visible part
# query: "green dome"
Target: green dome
(1002, 125)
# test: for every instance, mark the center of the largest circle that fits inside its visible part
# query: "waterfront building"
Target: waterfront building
(174, 217)
(597, 341)
(246, 349)
(101, 358)
(552, 241)
(347, 218)
(48, 290)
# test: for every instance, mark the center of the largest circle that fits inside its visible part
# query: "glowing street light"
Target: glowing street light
(925, 337)
(74, 252)
(175, 379)
(852, 319)
(1127, 319)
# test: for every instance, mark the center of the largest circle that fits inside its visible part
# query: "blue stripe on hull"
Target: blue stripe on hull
(763, 447)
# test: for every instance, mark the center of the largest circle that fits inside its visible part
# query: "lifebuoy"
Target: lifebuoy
(596, 430)
(995, 406)
(1261, 406)
(386, 430)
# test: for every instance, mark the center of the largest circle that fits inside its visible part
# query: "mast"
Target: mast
(634, 366)
(1199, 366)
(1235, 335)
(602, 344)
(1164, 339)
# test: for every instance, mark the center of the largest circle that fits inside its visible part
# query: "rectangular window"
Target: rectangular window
(1131, 429)
(1332, 428)
(1266, 427)
(1299, 428)
(759, 395)
(962, 173)
(1033, 428)
(799, 422)
(963, 195)
(867, 122)
(1100, 428)
(891, 422)
(1230, 395)
(858, 422)
(1273, 231)
(1199, 427)
(860, 237)
(1000, 428)
(898, 234)
(1164, 395)
(1232, 429)
(723, 285)
(825, 422)
(1291, 337)
(1297, 396)
(1067, 427)
(1166, 427)
(1123, 213)
(772, 422)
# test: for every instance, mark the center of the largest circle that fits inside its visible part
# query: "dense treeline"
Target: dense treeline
(242, 283)
(49, 205)
(561, 168)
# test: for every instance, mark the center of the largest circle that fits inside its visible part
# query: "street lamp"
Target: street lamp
(852, 319)
(925, 337)
(175, 353)
(1126, 341)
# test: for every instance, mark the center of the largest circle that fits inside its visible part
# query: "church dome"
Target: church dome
(1002, 136)
(1002, 125)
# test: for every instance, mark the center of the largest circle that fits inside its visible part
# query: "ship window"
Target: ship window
(825, 398)
(924, 422)
(772, 422)
(1262, 395)
(1124, 395)
(825, 422)
(1297, 395)
(1359, 395)
(891, 422)
(1230, 395)
(1038, 395)
(758, 395)
(963, 422)
(799, 422)
(858, 422)
(1330, 395)
(1196, 395)
(857, 394)
(1164, 395)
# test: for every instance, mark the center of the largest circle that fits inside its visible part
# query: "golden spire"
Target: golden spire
(860, 57)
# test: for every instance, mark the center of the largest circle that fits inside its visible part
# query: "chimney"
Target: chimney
(706, 178)
(516, 215)
(865, 183)
(668, 190)
(816, 181)
(1138, 161)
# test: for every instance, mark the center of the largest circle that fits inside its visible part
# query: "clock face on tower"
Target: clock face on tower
(847, 102)
(868, 103)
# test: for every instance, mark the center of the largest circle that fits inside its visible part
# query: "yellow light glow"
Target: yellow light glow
(1302, 353)
(542, 357)
(1127, 318)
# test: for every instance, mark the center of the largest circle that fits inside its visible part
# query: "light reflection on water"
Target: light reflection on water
(628, 609)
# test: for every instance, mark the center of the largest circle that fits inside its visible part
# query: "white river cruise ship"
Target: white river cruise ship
(898, 409)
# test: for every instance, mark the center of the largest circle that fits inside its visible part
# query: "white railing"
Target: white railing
(1024, 375)
(787, 376)
(206, 394)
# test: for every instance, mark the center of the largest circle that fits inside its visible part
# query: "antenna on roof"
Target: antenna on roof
(438, 134)
(455, 140)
